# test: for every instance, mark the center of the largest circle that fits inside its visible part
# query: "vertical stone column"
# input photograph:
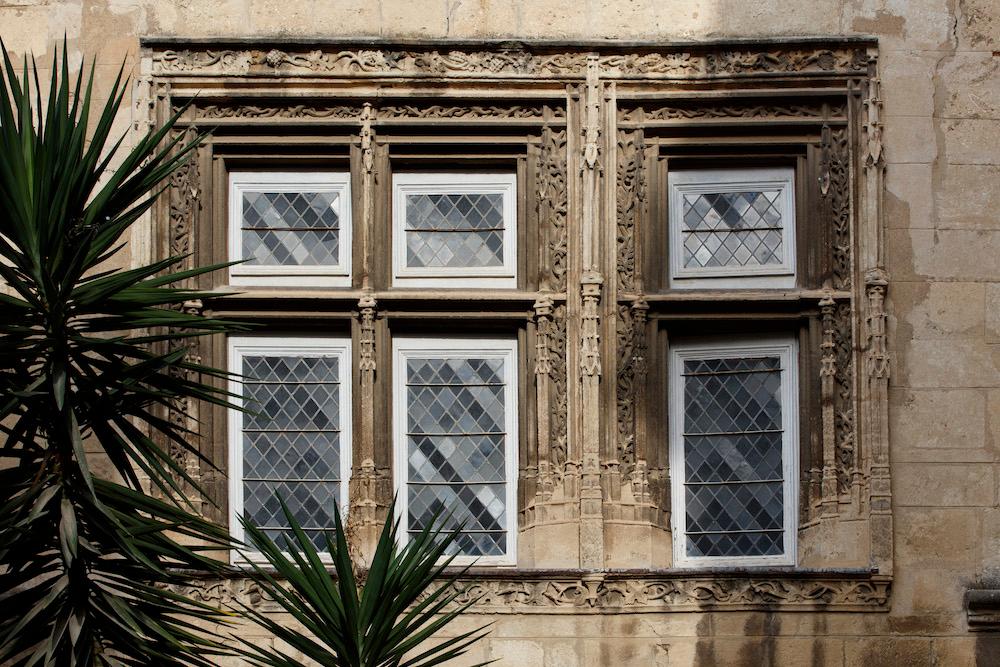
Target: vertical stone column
(591, 280)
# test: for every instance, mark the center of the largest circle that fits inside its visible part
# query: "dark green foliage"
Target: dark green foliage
(84, 573)
(385, 625)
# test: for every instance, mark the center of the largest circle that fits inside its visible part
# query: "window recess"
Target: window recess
(732, 227)
(290, 228)
(455, 441)
(733, 452)
(295, 440)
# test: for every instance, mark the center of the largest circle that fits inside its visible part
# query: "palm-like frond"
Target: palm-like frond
(86, 563)
(404, 601)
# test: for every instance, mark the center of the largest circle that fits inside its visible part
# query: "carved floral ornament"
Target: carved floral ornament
(514, 62)
(604, 593)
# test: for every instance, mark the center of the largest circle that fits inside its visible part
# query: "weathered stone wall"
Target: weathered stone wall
(940, 68)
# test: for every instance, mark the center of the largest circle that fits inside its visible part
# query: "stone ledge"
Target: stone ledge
(982, 608)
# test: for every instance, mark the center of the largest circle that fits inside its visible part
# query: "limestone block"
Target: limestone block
(937, 536)
(903, 24)
(991, 540)
(993, 312)
(979, 26)
(889, 652)
(345, 17)
(415, 18)
(923, 253)
(943, 485)
(485, 18)
(971, 140)
(909, 139)
(562, 654)
(967, 197)
(969, 86)
(993, 419)
(28, 30)
(555, 19)
(618, 651)
(909, 200)
(515, 652)
(200, 17)
(938, 364)
(939, 310)
(937, 419)
(908, 83)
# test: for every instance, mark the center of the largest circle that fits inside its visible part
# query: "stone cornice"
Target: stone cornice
(628, 591)
(508, 59)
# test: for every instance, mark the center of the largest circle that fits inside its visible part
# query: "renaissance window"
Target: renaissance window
(455, 441)
(290, 228)
(454, 225)
(736, 224)
(294, 440)
(733, 452)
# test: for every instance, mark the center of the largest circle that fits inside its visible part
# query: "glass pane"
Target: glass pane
(291, 228)
(291, 441)
(732, 229)
(456, 448)
(733, 467)
(454, 230)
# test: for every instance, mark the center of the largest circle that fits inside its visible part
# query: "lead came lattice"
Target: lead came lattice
(456, 444)
(454, 230)
(732, 229)
(291, 228)
(734, 486)
(291, 442)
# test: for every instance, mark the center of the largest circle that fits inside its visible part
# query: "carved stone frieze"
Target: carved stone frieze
(631, 195)
(626, 592)
(552, 205)
(437, 111)
(514, 62)
(706, 112)
(843, 397)
(282, 111)
(835, 186)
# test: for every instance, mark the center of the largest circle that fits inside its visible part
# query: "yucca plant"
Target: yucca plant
(385, 621)
(87, 564)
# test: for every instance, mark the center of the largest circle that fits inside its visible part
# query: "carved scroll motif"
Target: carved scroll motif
(631, 195)
(763, 111)
(292, 111)
(559, 416)
(835, 186)
(631, 339)
(590, 346)
(515, 112)
(552, 203)
(844, 423)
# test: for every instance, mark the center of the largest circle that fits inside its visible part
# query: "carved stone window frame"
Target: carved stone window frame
(600, 123)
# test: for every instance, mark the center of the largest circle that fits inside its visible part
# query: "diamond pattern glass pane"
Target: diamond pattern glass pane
(291, 441)
(454, 230)
(291, 228)
(456, 449)
(733, 477)
(732, 229)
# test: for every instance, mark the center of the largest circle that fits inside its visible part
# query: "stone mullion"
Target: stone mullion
(364, 515)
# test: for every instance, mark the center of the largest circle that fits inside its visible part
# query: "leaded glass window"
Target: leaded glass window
(290, 228)
(294, 440)
(448, 226)
(732, 224)
(456, 440)
(733, 447)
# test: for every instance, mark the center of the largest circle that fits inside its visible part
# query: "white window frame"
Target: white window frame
(242, 346)
(329, 275)
(701, 181)
(786, 349)
(454, 183)
(442, 348)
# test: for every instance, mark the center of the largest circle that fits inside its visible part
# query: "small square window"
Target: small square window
(455, 420)
(732, 228)
(448, 226)
(290, 228)
(295, 439)
(733, 453)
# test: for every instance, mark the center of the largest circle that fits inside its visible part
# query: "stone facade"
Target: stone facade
(902, 593)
